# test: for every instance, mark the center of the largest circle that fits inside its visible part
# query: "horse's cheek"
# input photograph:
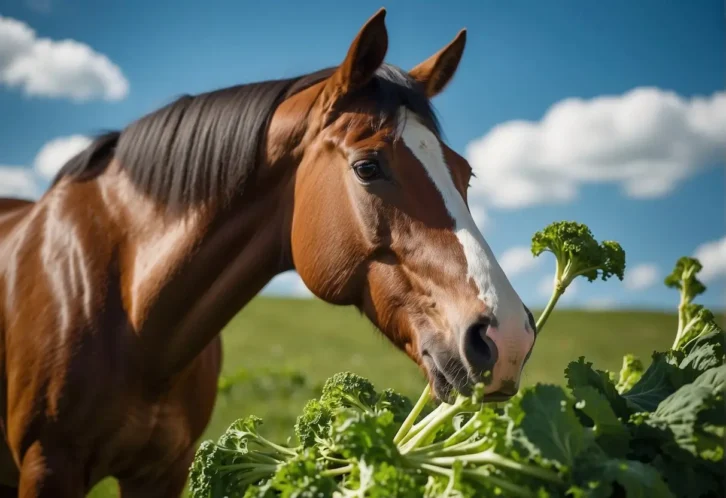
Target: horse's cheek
(325, 243)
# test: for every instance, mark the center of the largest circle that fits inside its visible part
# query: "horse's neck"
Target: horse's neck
(187, 278)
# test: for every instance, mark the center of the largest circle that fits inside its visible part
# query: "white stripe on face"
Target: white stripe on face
(494, 289)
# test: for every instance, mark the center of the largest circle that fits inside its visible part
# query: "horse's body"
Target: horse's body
(114, 286)
(74, 368)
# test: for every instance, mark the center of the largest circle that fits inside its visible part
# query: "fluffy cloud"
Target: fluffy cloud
(516, 260)
(712, 256)
(641, 277)
(646, 140)
(480, 215)
(16, 181)
(25, 182)
(56, 68)
(54, 154)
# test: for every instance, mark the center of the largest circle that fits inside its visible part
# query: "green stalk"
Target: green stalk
(264, 458)
(513, 489)
(337, 472)
(353, 401)
(411, 418)
(441, 471)
(490, 457)
(682, 326)
(562, 282)
(277, 447)
(682, 332)
(256, 455)
(459, 439)
(542, 319)
(432, 426)
(248, 466)
(423, 423)
(463, 447)
(251, 478)
(335, 459)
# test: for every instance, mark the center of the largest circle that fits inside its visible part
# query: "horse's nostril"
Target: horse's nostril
(480, 350)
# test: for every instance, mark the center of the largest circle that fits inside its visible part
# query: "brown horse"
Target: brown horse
(114, 286)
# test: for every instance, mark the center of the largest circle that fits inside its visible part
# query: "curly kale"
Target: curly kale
(347, 389)
(693, 319)
(577, 253)
(240, 458)
(655, 431)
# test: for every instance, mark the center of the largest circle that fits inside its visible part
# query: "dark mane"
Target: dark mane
(206, 146)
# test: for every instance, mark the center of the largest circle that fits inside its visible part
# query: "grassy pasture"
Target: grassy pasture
(318, 340)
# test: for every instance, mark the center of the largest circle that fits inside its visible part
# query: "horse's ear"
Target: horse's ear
(435, 72)
(364, 57)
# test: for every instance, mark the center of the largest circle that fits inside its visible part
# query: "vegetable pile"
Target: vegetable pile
(655, 432)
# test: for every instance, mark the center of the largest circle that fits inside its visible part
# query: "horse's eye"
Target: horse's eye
(367, 170)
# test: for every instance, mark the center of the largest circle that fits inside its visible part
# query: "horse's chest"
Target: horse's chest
(146, 436)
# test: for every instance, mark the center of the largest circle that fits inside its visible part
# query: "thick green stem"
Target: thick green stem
(681, 320)
(440, 449)
(334, 459)
(433, 425)
(265, 458)
(248, 466)
(276, 447)
(339, 471)
(353, 401)
(252, 477)
(682, 333)
(411, 418)
(490, 457)
(559, 290)
(513, 489)
(423, 423)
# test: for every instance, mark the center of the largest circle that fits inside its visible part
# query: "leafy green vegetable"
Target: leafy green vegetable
(638, 480)
(640, 432)
(577, 253)
(693, 319)
(610, 433)
(630, 373)
(580, 374)
(658, 382)
(693, 414)
(551, 425)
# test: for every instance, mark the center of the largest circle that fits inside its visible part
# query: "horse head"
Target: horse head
(381, 219)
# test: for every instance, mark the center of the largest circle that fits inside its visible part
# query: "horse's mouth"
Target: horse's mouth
(446, 382)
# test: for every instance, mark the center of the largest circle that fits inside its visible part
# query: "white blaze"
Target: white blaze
(495, 291)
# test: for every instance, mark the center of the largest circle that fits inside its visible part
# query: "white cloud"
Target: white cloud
(641, 277)
(600, 303)
(516, 260)
(26, 182)
(16, 181)
(480, 216)
(712, 256)
(56, 68)
(646, 140)
(287, 284)
(54, 154)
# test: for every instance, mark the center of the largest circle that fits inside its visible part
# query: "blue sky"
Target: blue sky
(643, 167)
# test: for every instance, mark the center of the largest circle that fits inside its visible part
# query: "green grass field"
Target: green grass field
(318, 340)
